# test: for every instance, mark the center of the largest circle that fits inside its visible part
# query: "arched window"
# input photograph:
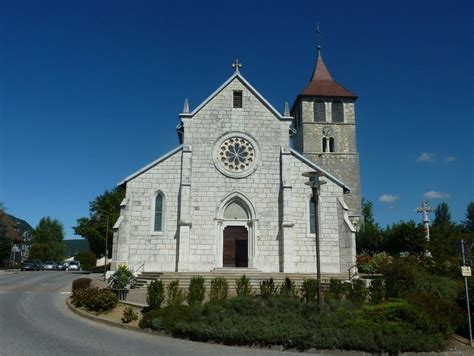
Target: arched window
(312, 217)
(325, 140)
(159, 209)
(331, 144)
(337, 111)
(319, 111)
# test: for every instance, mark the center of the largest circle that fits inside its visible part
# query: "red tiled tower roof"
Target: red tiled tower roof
(322, 83)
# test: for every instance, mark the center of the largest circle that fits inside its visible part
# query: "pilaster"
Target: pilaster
(287, 224)
(185, 210)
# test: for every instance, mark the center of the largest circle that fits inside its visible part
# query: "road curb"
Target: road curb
(89, 316)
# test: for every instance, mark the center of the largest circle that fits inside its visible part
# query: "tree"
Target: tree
(102, 208)
(369, 236)
(405, 236)
(442, 216)
(48, 240)
(469, 222)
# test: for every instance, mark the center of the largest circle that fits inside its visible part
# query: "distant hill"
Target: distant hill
(76, 245)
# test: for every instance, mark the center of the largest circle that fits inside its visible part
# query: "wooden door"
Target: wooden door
(235, 252)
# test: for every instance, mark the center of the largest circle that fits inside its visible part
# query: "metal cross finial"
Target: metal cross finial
(318, 38)
(425, 210)
(237, 65)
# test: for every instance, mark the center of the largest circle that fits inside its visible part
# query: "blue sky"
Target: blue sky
(90, 91)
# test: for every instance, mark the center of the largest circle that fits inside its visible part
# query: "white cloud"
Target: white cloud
(432, 194)
(426, 157)
(450, 159)
(388, 198)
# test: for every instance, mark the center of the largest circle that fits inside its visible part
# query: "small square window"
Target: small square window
(237, 99)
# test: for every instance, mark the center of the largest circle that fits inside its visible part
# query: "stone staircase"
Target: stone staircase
(231, 275)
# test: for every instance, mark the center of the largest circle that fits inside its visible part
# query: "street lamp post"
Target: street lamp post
(106, 248)
(315, 183)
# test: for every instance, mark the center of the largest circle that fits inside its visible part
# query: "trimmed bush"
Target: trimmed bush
(219, 289)
(95, 299)
(337, 289)
(176, 295)
(243, 287)
(197, 290)
(129, 315)
(309, 290)
(377, 291)
(357, 293)
(81, 283)
(268, 288)
(155, 294)
(288, 288)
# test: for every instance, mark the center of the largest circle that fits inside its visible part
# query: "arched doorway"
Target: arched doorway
(235, 236)
(236, 232)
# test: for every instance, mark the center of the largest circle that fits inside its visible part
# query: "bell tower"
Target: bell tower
(326, 131)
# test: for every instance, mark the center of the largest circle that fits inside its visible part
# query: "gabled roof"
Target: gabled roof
(151, 165)
(249, 86)
(313, 165)
(323, 84)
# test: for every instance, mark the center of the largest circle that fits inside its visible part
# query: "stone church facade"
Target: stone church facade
(232, 194)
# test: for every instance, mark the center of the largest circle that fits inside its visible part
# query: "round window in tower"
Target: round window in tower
(235, 155)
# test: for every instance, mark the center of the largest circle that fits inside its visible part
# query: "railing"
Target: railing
(352, 272)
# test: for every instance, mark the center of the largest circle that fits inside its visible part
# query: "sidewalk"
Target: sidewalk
(4, 272)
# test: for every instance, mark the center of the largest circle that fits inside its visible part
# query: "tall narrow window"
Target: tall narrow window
(319, 111)
(159, 212)
(237, 99)
(337, 111)
(331, 144)
(325, 141)
(312, 217)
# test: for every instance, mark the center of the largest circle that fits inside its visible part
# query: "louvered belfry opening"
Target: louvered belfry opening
(237, 99)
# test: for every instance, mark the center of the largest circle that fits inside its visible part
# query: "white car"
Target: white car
(74, 266)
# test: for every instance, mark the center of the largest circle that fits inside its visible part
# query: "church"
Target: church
(232, 194)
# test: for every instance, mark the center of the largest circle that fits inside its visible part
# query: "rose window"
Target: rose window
(236, 154)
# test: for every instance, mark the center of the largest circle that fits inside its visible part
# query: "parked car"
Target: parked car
(61, 266)
(74, 266)
(30, 265)
(50, 266)
(39, 264)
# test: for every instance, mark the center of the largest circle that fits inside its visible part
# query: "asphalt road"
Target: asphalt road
(34, 320)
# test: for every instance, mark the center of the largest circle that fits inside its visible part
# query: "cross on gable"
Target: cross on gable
(236, 65)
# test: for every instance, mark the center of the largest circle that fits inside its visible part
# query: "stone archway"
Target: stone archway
(236, 226)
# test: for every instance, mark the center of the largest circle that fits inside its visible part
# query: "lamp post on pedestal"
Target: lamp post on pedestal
(315, 184)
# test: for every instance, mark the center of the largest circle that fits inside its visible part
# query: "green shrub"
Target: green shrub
(87, 259)
(167, 317)
(377, 291)
(196, 291)
(309, 290)
(243, 287)
(357, 293)
(337, 289)
(81, 296)
(176, 295)
(122, 278)
(129, 315)
(81, 283)
(155, 294)
(102, 300)
(288, 288)
(219, 289)
(268, 288)
(95, 299)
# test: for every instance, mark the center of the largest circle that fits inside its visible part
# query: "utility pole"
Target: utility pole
(425, 210)
(106, 248)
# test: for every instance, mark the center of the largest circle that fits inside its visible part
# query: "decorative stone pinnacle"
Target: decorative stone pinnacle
(236, 65)
(287, 110)
(186, 106)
